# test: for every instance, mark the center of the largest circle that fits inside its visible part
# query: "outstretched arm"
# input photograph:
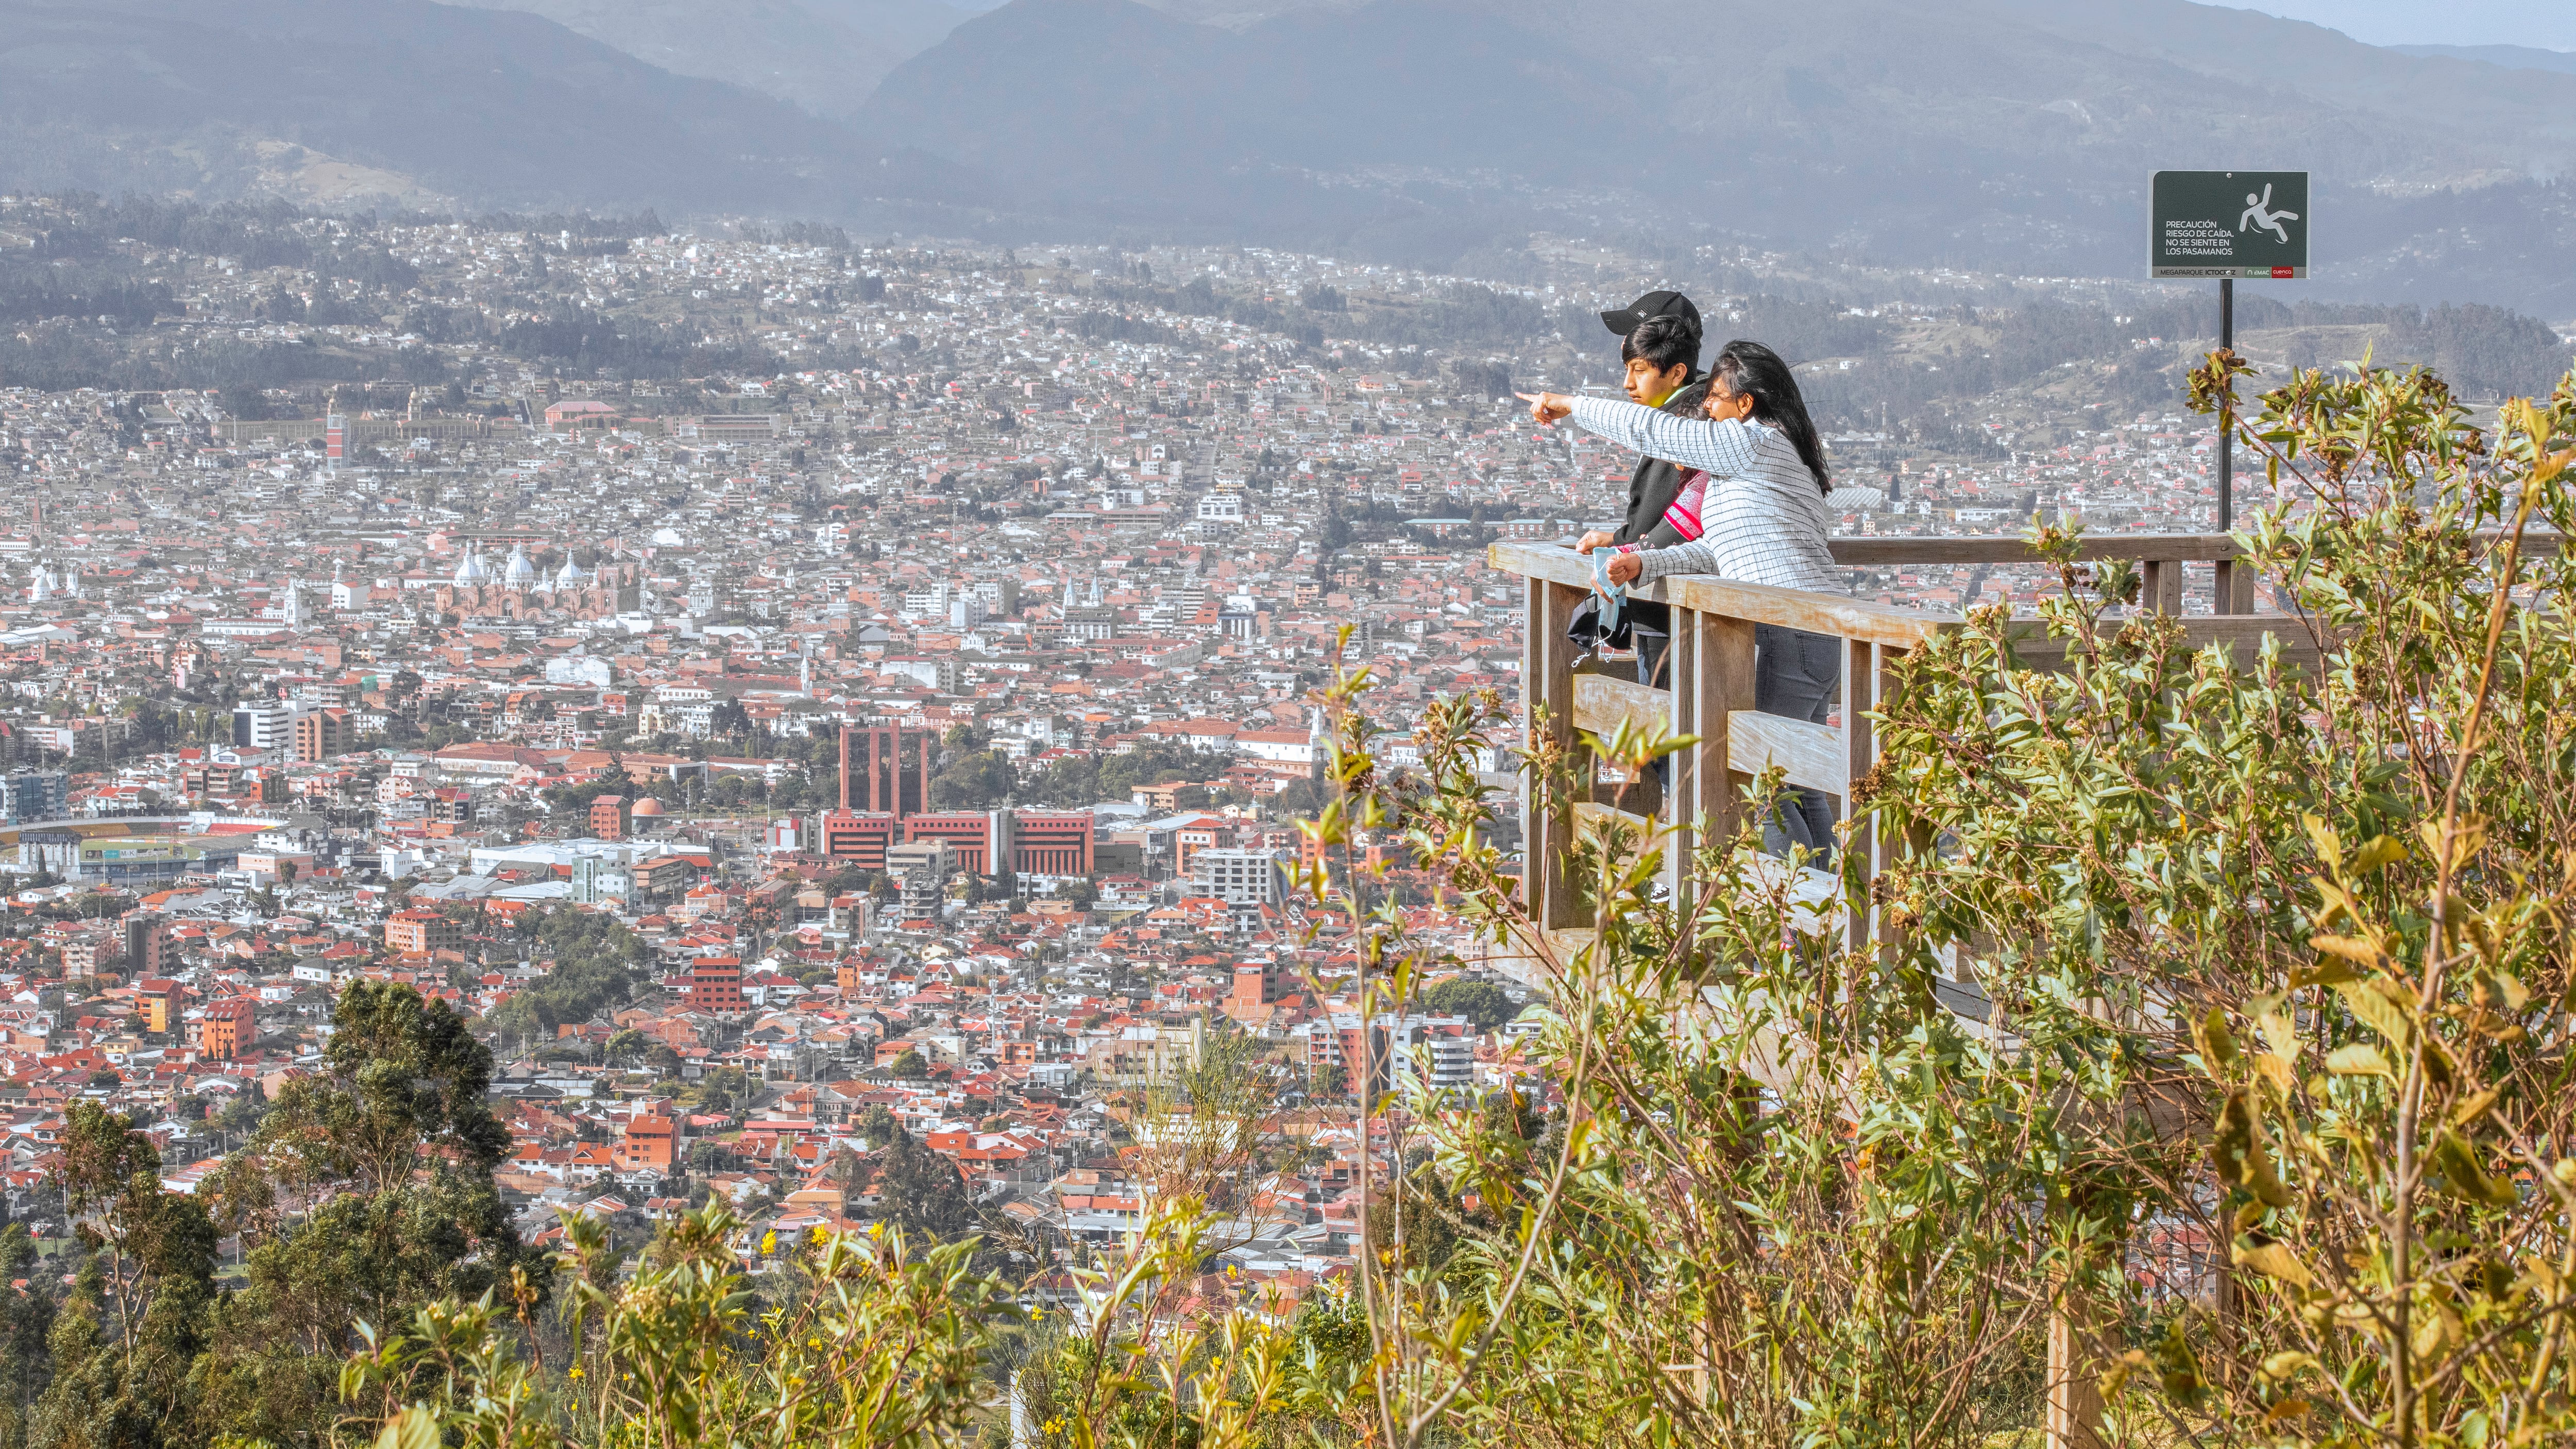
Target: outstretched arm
(1724, 448)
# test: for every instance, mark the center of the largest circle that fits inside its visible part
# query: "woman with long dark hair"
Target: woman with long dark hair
(1763, 517)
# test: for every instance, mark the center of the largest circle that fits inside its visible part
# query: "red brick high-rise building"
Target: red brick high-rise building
(649, 1142)
(1046, 842)
(323, 733)
(715, 985)
(862, 837)
(422, 933)
(227, 1028)
(612, 817)
(968, 834)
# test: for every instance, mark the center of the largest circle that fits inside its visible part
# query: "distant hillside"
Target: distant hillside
(2006, 133)
(1108, 107)
(2512, 57)
(404, 97)
(824, 55)
(2011, 135)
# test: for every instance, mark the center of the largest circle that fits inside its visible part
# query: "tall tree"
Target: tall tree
(366, 1193)
(123, 1348)
(922, 1192)
(1481, 1002)
(26, 1322)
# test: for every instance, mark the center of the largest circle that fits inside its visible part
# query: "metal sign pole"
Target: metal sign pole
(2226, 428)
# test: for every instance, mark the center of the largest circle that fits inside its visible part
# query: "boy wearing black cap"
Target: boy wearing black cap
(1660, 343)
(1653, 304)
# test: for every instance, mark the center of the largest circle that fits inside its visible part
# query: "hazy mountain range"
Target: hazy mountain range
(411, 101)
(2512, 57)
(1989, 133)
(824, 55)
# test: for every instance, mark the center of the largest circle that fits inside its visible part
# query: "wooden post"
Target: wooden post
(2160, 586)
(2074, 1391)
(2235, 590)
(1547, 682)
(1712, 673)
(1864, 687)
(1681, 803)
(2075, 1325)
(1721, 683)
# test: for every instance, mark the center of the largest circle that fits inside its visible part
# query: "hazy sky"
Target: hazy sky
(2550, 24)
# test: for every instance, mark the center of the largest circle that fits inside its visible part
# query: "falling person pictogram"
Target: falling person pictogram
(2259, 216)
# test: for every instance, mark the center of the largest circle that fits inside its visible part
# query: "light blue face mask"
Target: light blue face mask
(1615, 593)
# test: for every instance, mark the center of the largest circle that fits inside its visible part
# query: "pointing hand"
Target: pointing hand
(1546, 408)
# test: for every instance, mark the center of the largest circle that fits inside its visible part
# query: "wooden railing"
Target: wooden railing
(2160, 558)
(1707, 687)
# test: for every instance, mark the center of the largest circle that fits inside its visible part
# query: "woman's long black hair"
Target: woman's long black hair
(1753, 370)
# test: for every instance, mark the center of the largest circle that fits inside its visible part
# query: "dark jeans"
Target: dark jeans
(1794, 674)
(1650, 658)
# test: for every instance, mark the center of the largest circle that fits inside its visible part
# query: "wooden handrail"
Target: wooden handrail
(1868, 552)
(1875, 552)
(1707, 685)
(1753, 603)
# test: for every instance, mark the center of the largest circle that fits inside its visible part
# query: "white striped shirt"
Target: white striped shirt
(1762, 518)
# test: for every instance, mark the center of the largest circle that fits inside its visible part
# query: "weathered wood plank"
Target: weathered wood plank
(1602, 703)
(1724, 686)
(1592, 817)
(1754, 603)
(1551, 561)
(1547, 685)
(1798, 609)
(2012, 548)
(1812, 754)
(2246, 632)
(2243, 633)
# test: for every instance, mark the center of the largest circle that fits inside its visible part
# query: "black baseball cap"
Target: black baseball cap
(1653, 304)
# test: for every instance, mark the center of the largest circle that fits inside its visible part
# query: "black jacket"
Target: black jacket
(1650, 492)
(1652, 486)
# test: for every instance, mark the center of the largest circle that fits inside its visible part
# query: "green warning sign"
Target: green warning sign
(2230, 224)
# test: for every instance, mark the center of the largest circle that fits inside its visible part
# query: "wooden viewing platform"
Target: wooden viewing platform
(1709, 679)
(1709, 694)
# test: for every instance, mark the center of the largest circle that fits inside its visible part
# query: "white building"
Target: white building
(263, 724)
(1243, 879)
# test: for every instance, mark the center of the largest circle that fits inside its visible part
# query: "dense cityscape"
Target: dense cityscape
(815, 707)
(389, 671)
